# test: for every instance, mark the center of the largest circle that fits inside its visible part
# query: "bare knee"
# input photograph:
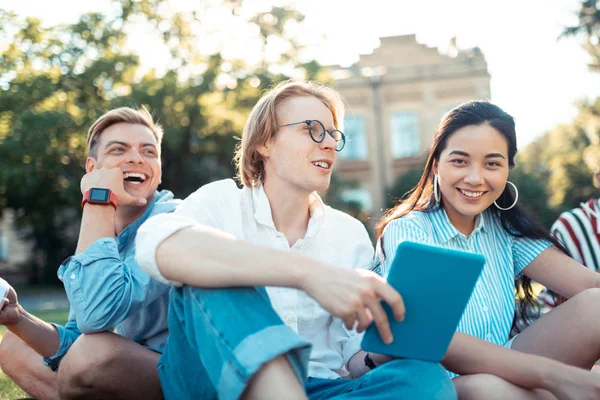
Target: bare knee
(7, 345)
(11, 351)
(84, 362)
(480, 386)
(588, 297)
(26, 368)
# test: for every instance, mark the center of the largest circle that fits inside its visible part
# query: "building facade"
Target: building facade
(395, 98)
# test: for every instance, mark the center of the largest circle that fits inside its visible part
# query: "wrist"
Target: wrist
(550, 375)
(379, 359)
(18, 322)
(303, 272)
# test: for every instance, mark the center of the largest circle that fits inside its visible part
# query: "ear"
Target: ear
(435, 167)
(264, 150)
(90, 165)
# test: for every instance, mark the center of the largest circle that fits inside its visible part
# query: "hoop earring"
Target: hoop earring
(516, 198)
(436, 192)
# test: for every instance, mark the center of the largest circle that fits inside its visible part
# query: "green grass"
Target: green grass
(8, 389)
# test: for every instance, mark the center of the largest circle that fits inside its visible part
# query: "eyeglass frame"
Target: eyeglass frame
(310, 121)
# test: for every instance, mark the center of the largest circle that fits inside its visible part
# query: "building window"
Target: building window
(361, 197)
(356, 139)
(406, 139)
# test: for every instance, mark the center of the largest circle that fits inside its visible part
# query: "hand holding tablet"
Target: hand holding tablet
(435, 284)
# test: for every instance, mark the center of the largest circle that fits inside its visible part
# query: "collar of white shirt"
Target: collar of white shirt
(263, 215)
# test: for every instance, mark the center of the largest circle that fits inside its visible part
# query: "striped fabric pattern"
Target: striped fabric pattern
(578, 231)
(490, 311)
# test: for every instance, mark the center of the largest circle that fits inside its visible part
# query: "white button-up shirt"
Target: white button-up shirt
(332, 236)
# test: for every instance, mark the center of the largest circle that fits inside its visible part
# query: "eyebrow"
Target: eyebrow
(465, 154)
(127, 144)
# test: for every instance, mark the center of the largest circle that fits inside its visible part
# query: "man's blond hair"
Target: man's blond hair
(263, 124)
(120, 115)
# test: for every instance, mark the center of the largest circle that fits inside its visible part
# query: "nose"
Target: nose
(328, 143)
(474, 177)
(134, 156)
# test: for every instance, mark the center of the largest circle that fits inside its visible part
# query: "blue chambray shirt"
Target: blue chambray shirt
(107, 290)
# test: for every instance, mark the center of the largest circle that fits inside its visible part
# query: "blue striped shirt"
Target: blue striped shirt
(490, 311)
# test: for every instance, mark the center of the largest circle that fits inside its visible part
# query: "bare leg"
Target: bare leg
(273, 379)
(570, 333)
(26, 367)
(108, 366)
(491, 387)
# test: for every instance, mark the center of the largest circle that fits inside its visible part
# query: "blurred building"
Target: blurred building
(13, 251)
(395, 98)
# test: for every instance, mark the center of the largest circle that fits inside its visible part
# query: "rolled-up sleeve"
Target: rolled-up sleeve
(104, 289)
(207, 207)
(67, 335)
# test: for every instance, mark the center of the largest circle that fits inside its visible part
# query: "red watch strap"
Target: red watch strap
(113, 200)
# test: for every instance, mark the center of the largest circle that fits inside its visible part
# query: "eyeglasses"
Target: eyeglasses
(317, 133)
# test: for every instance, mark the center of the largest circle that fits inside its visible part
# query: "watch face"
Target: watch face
(99, 195)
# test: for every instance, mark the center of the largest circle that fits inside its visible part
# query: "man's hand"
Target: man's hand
(354, 295)
(110, 178)
(10, 310)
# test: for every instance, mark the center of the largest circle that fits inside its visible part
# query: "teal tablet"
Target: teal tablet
(435, 284)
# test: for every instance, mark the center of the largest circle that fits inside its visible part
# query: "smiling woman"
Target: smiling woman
(464, 201)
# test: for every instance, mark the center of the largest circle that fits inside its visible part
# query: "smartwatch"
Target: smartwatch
(100, 196)
(369, 361)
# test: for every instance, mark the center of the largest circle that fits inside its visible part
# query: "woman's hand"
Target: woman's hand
(572, 383)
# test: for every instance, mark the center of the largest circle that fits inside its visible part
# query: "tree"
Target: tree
(55, 81)
(589, 30)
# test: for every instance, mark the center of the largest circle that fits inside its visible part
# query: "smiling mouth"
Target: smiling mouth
(322, 164)
(471, 194)
(134, 178)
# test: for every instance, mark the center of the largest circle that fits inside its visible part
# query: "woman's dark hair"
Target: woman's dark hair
(515, 221)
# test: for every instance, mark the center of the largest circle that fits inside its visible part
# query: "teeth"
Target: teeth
(134, 175)
(471, 194)
(321, 164)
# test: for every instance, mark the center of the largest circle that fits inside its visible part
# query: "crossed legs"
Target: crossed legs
(570, 334)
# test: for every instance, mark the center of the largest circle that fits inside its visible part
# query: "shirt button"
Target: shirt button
(73, 276)
(484, 308)
(488, 336)
(289, 319)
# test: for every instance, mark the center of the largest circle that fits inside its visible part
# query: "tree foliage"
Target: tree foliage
(55, 81)
(588, 29)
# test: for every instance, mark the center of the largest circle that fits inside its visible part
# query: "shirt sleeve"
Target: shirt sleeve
(104, 289)
(346, 341)
(562, 231)
(207, 207)
(67, 335)
(525, 250)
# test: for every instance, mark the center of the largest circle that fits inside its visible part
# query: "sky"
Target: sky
(534, 76)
